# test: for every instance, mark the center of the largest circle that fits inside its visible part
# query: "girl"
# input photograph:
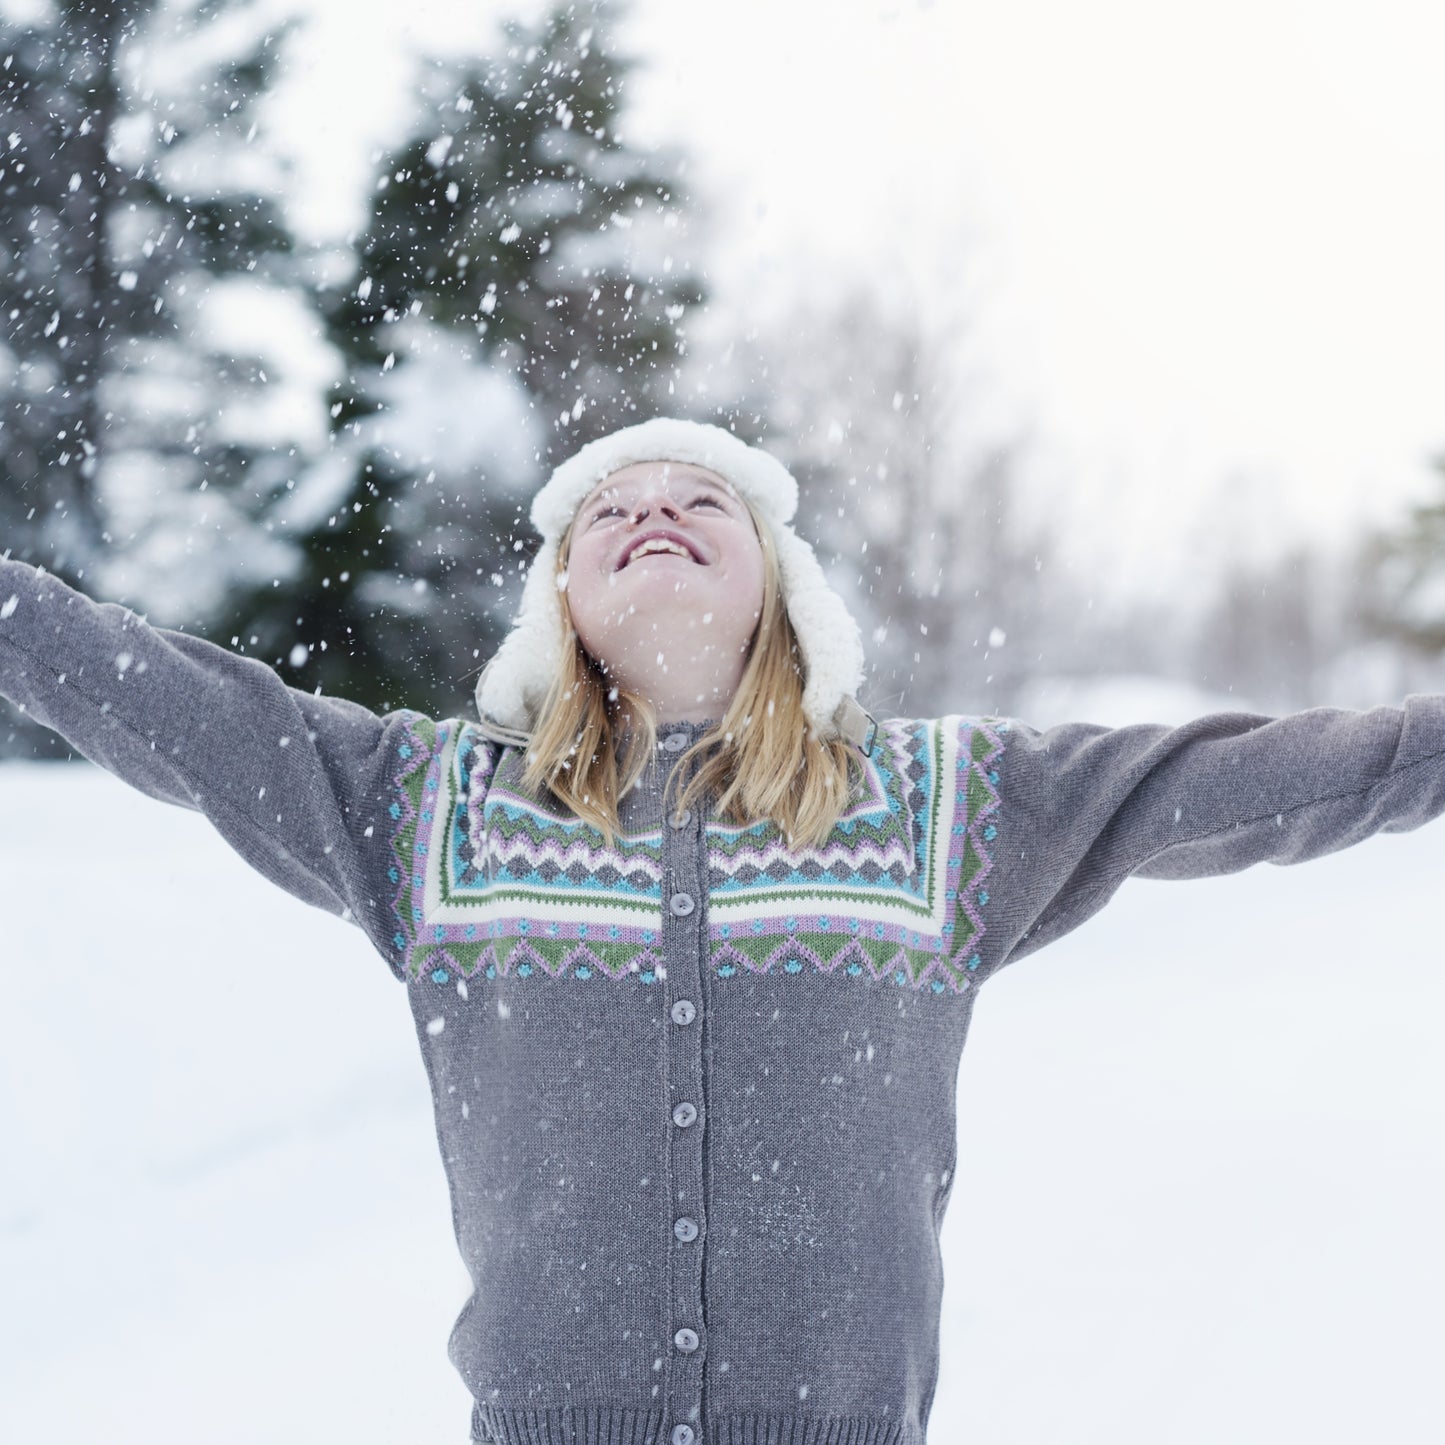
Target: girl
(691, 941)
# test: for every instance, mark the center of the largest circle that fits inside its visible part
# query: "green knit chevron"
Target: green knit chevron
(554, 956)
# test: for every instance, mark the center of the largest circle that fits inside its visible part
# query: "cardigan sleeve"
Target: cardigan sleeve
(1085, 807)
(299, 785)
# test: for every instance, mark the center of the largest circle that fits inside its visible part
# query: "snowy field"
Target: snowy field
(1199, 1195)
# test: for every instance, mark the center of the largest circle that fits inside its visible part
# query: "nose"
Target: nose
(662, 502)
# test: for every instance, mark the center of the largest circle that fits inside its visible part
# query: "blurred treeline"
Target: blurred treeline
(322, 455)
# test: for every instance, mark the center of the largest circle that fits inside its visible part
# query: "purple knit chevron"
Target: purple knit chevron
(414, 753)
(574, 846)
(983, 769)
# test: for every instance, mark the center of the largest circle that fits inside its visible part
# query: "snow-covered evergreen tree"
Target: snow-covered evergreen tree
(130, 186)
(520, 288)
(141, 236)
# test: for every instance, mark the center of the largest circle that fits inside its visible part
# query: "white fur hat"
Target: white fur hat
(514, 683)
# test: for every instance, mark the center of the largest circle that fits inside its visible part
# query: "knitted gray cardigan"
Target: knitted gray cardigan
(695, 1093)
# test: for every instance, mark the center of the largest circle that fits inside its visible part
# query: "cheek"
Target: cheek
(592, 631)
(751, 577)
(583, 605)
(592, 602)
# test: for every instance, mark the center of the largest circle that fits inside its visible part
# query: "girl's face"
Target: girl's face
(664, 556)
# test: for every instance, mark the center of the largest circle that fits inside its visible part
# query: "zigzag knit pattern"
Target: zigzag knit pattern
(491, 881)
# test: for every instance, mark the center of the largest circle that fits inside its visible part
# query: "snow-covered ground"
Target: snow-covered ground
(1199, 1195)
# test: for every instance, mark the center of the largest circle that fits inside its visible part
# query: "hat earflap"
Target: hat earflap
(514, 684)
(828, 637)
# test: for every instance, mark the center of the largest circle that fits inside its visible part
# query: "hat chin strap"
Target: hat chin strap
(856, 725)
(495, 732)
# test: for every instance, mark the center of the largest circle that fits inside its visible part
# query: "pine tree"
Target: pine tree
(525, 219)
(129, 185)
(521, 285)
(1403, 576)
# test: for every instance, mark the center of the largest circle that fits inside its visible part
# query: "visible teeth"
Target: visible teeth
(660, 544)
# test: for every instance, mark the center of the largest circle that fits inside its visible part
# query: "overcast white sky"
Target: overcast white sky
(1202, 239)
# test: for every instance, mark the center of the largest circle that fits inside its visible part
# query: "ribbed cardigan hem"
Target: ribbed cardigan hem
(608, 1425)
(808, 1430)
(567, 1425)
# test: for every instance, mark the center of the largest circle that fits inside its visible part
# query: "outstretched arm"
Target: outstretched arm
(299, 785)
(1085, 807)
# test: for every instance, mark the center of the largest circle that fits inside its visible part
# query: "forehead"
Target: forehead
(639, 474)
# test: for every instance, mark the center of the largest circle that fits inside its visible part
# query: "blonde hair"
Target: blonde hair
(764, 761)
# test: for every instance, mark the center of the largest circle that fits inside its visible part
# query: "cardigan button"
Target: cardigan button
(682, 1435)
(675, 742)
(686, 1341)
(682, 819)
(685, 1229)
(684, 1115)
(681, 904)
(683, 1011)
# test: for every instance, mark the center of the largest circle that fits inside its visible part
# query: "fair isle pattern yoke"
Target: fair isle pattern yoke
(494, 882)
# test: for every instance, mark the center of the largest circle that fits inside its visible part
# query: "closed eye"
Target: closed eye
(614, 511)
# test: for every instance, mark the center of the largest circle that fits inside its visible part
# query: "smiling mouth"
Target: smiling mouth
(657, 547)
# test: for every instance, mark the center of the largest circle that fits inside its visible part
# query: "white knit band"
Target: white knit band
(514, 684)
